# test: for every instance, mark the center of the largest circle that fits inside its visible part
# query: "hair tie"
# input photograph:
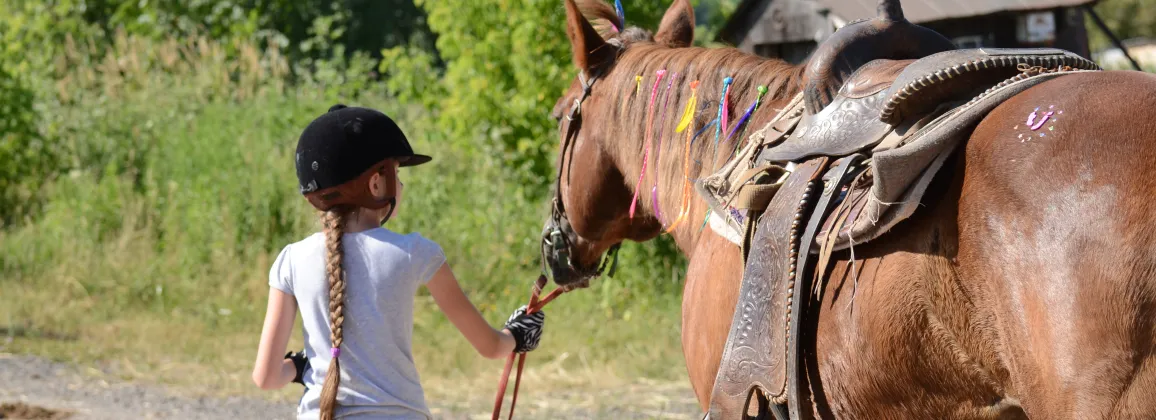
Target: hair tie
(335, 352)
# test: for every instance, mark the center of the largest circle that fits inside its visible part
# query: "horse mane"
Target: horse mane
(627, 112)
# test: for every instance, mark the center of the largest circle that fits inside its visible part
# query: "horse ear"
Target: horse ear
(677, 27)
(589, 49)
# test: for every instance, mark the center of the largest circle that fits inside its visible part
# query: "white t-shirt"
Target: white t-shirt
(383, 271)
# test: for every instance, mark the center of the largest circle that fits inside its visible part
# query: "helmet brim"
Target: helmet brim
(414, 160)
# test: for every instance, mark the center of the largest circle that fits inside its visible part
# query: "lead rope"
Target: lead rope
(535, 305)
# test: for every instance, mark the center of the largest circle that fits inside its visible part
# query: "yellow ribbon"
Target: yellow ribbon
(637, 84)
(691, 104)
(687, 122)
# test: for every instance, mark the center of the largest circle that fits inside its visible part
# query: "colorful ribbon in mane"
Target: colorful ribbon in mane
(687, 122)
(750, 110)
(658, 146)
(621, 14)
(722, 117)
(649, 130)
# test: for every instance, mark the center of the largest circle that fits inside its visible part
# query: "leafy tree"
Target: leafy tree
(506, 62)
(1126, 18)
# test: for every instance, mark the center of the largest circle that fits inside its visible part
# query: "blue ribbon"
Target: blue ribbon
(621, 14)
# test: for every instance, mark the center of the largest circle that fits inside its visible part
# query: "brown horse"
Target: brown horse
(1024, 287)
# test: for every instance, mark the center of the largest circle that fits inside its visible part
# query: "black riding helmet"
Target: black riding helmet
(349, 144)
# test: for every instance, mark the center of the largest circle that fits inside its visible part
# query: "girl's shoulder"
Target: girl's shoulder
(408, 242)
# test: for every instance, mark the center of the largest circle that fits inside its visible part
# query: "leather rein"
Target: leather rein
(535, 305)
(555, 240)
(556, 243)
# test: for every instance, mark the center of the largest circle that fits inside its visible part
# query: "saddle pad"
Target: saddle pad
(755, 352)
(901, 175)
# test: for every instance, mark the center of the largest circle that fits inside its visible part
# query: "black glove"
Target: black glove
(299, 362)
(526, 329)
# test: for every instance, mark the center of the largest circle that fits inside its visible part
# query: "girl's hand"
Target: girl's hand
(299, 363)
(526, 329)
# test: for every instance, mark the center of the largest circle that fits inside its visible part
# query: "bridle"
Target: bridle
(555, 242)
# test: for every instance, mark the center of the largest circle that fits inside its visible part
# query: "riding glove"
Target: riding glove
(299, 362)
(526, 329)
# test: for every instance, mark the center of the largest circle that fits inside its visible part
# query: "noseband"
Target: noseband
(555, 242)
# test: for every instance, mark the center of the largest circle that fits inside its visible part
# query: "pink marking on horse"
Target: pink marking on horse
(1041, 122)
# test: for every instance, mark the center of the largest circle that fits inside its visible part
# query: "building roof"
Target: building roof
(917, 11)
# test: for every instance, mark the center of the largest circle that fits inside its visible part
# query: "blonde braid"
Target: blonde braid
(334, 222)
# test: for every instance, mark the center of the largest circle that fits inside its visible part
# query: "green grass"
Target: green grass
(151, 252)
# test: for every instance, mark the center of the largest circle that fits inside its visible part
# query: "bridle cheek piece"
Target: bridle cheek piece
(556, 243)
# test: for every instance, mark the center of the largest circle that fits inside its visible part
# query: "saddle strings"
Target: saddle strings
(649, 137)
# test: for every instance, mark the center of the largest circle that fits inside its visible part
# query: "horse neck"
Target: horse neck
(645, 107)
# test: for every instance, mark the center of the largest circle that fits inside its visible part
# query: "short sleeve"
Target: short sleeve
(281, 274)
(428, 257)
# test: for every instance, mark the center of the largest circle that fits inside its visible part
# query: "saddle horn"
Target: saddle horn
(890, 10)
(888, 36)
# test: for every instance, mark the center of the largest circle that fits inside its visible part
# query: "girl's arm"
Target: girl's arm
(272, 370)
(489, 342)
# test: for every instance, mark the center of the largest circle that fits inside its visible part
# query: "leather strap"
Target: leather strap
(843, 212)
(798, 393)
(754, 196)
(755, 352)
(536, 304)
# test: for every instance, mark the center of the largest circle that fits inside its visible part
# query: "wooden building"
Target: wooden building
(790, 29)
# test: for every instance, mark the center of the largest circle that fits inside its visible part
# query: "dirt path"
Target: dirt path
(35, 388)
(60, 387)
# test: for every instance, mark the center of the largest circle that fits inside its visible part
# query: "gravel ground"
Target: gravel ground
(29, 384)
(60, 387)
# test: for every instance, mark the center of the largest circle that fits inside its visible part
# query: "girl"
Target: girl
(355, 282)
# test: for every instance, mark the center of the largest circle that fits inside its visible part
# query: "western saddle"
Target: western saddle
(885, 102)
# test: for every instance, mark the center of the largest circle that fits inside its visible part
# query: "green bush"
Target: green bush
(176, 189)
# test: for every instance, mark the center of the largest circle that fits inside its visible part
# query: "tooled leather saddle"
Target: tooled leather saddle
(885, 103)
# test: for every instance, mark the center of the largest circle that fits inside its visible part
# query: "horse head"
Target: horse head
(590, 213)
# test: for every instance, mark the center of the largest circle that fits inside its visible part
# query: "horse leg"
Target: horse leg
(708, 304)
(1057, 227)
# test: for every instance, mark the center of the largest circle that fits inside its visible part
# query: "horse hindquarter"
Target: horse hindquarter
(1057, 231)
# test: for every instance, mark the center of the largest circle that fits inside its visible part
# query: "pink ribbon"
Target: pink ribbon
(649, 129)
